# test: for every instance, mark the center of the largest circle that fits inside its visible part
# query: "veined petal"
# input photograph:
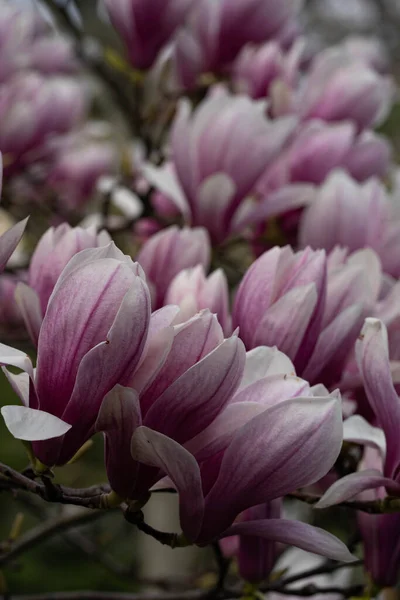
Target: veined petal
(286, 321)
(348, 487)
(118, 418)
(157, 450)
(191, 403)
(373, 361)
(288, 446)
(29, 304)
(192, 341)
(295, 533)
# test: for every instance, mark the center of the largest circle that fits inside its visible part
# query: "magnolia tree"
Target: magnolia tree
(207, 286)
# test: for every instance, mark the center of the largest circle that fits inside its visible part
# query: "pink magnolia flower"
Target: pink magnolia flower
(52, 253)
(217, 31)
(373, 363)
(338, 88)
(166, 253)
(194, 381)
(92, 337)
(25, 43)
(257, 69)
(77, 167)
(311, 312)
(210, 433)
(192, 291)
(346, 213)
(146, 26)
(31, 109)
(212, 182)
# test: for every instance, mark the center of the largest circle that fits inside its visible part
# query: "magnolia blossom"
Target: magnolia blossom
(338, 88)
(208, 182)
(373, 362)
(31, 109)
(26, 43)
(192, 291)
(217, 31)
(147, 25)
(258, 69)
(311, 309)
(52, 253)
(166, 253)
(208, 428)
(380, 533)
(76, 168)
(92, 337)
(346, 213)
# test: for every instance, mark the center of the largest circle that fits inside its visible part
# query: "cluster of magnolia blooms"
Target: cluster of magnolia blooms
(234, 397)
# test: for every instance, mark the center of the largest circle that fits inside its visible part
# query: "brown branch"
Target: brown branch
(329, 567)
(313, 590)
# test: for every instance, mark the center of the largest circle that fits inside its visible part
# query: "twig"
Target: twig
(329, 567)
(137, 518)
(313, 590)
(223, 564)
(46, 530)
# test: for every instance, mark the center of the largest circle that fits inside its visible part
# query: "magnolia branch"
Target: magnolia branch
(51, 527)
(96, 497)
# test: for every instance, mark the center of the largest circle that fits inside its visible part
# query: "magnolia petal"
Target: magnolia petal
(166, 182)
(357, 429)
(29, 304)
(373, 361)
(334, 344)
(288, 446)
(29, 424)
(157, 450)
(286, 321)
(118, 418)
(10, 240)
(193, 401)
(220, 432)
(263, 361)
(351, 485)
(295, 533)
(19, 383)
(16, 358)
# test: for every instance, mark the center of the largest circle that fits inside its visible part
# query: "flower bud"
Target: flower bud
(192, 291)
(146, 26)
(52, 253)
(166, 253)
